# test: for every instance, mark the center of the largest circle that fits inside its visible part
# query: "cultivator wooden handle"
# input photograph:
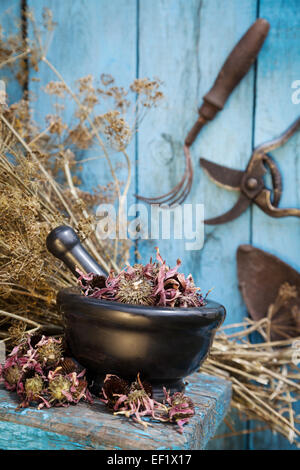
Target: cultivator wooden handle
(234, 69)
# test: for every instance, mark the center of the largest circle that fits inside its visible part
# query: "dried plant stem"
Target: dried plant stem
(33, 294)
(249, 330)
(29, 332)
(121, 214)
(52, 183)
(240, 433)
(90, 159)
(14, 58)
(43, 170)
(41, 134)
(77, 101)
(265, 380)
(18, 317)
(240, 372)
(263, 404)
(280, 377)
(274, 344)
(291, 415)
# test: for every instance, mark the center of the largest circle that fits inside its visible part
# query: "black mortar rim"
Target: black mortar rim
(71, 300)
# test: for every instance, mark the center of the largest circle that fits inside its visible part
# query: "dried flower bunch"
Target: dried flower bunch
(38, 372)
(152, 284)
(39, 183)
(135, 401)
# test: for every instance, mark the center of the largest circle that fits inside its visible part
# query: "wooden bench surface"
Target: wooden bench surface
(86, 426)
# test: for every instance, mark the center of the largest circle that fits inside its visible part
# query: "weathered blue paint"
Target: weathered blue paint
(184, 43)
(94, 427)
(19, 437)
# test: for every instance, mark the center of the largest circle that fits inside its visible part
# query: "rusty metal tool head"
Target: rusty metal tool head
(251, 183)
(270, 289)
(233, 70)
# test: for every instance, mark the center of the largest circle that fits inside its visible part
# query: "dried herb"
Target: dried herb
(39, 183)
(37, 371)
(33, 389)
(152, 284)
(181, 408)
(49, 351)
(135, 401)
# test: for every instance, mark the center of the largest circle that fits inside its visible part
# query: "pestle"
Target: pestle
(64, 244)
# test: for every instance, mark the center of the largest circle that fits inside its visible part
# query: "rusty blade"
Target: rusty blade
(222, 175)
(261, 275)
(241, 205)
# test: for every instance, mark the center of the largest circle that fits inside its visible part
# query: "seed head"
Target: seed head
(34, 387)
(57, 386)
(12, 375)
(135, 289)
(49, 352)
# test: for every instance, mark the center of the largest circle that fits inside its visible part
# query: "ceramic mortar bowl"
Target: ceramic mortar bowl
(164, 344)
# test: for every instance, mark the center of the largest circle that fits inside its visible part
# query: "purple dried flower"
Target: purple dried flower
(136, 402)
(153, 284)
(49, 351)
(11, 375)
(63, 390)
(58, 388)
(21, 360)
(113, 388)
(27, 371)
(181, 408)
(68, 365)
(30, 390)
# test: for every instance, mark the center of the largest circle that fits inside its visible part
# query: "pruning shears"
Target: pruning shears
(251, 183)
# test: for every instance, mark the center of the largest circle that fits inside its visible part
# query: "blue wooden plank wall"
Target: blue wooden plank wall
(184, 43)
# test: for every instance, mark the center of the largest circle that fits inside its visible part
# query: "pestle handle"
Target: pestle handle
(64, 244)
